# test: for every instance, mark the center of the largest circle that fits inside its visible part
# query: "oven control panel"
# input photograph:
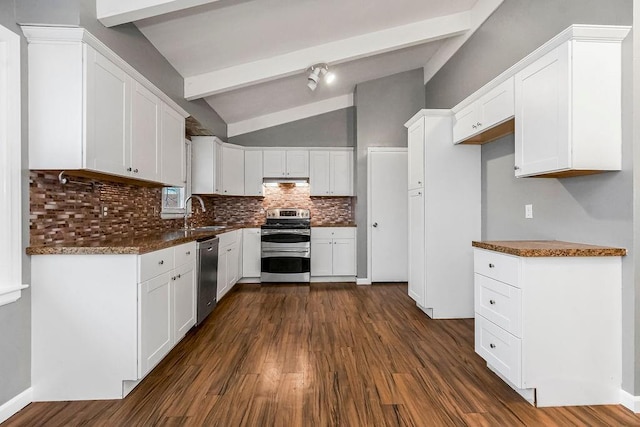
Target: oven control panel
(287, 213)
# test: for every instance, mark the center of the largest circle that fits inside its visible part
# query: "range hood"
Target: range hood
(276, 181)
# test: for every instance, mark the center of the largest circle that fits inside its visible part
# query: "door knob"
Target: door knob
(375, 224)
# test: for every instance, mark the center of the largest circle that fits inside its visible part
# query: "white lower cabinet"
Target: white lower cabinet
(550, 326)
(100, 323)
(229, 264)
(251, 261)
(333, 252)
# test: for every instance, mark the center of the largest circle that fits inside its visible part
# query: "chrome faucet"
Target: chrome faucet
(186, 208)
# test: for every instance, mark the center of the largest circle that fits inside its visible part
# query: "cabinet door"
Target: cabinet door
(145, 134)
(174, 165)
(297, 163)
(319, 180)
(184, 300)
(232, 170)
(223, 286)
(496, 106)
(541, 126)
(341, 170)
(465, 123)
(108, 92)
(415, 143)
(321, 257)
(233, 265)
(344, 257)
(417, 285)
(253, 173)
(251, 262)
(203, 165)
(274, 163)
(155, 322)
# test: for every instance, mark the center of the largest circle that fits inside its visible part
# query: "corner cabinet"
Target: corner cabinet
(90, 111)
(333, 253)
(331, 173)
(444, 214)
(550, 326)
(101, 323)
(217, 167)
(568, 106)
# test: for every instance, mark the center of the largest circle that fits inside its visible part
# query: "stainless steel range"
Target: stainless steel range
(286, 246)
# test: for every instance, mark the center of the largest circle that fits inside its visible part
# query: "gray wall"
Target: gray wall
(332, 129)
(15, 318)
(592, 209)
(383, 106)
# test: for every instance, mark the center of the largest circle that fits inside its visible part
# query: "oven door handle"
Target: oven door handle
(286, 250)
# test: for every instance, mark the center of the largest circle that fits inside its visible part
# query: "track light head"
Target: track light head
(312, 80)
(315, 72)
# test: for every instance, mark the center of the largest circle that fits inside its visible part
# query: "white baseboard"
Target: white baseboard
(630, 401)
(363, 281)
(320, 279)
(14, 405)
(249, 280)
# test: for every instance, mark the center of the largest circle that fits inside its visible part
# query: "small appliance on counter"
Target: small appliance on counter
(286, 246)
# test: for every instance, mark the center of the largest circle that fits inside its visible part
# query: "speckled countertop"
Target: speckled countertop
(133, 244)
(548, 248)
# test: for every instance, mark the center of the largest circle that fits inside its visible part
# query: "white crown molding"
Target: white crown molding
(289, 115)
(332, 53)
(427, 112)
(10, 408)
(41, 34)
(115, 12)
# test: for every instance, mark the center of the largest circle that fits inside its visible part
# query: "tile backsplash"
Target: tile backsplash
(67, 213)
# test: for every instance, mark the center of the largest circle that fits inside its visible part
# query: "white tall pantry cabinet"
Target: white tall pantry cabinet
(444, 216)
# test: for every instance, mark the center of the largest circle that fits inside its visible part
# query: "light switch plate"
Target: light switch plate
(528, 211)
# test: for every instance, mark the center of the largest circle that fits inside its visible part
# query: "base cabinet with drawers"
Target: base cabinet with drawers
(550, 326)
(100, 323)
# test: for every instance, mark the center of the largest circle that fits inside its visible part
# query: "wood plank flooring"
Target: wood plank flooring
(321, 355)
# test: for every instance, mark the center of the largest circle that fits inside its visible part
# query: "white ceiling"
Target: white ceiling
(248, 58)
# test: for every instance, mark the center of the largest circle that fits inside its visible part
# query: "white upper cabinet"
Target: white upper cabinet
(174, 163)
(285, 164)
(232, 166)
(253, 173)
(483, 114)
(568, 106)
(205, 151)
(90, 110)
(331, 173)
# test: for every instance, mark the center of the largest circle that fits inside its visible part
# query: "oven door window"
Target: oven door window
(285, 238)
(285, 265)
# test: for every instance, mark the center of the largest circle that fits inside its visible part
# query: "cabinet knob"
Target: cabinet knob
(419, 182)
(128, 169)
(135, 171)
(491, 265)
(173, 278)
(479, 124)
(492, 345)
(188, 252)
(492, 302)
(515, 168)
(474, 126)
(229, 250)
(419, 193)
(179, 276)
(375, 225)
(161, 262)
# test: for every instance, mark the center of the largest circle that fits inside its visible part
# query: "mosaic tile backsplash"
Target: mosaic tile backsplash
(71, 212)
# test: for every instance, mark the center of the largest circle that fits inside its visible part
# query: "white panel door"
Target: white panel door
(108, 92)
(321, 257)
(417, 285)
(388, 192)
(232, 171)
(174, 164)
(184, 300)
(145, 134)
(341, 169)
(416, 154)
(319, 178)
(155, 321)
(274, 163)
(344, 257)
(297, 163)
(251, 252)
(253, 173)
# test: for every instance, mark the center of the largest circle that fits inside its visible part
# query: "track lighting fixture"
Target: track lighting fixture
(316, 72)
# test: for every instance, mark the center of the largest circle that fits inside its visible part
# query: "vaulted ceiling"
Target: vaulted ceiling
(249, 59)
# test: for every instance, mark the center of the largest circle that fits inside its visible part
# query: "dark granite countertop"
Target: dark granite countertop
(335, 224)
(131, 244)
(548, 248)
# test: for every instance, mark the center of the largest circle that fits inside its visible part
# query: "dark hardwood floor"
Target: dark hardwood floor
(321, 355)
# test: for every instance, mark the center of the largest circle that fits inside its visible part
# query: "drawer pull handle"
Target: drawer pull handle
(491, 265)
(161, 262)
(492, 345)
(492, 302)
(188, 252)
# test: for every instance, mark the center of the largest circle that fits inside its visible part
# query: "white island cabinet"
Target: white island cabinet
(101, 322)
(548, 319)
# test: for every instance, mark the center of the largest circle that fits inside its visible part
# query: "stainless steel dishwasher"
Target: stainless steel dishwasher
(207, 277)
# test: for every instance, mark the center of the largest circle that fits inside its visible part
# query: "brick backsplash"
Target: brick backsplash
(71, 212)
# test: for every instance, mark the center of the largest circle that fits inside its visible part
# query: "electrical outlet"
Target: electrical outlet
(104, 210)
(528, 211)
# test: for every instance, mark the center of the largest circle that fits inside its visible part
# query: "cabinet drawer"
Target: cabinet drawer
(333, 232)
(499, 303)
(154, 263)
(504, 268)
(500, 349)
(228, 238)
(184, 253)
